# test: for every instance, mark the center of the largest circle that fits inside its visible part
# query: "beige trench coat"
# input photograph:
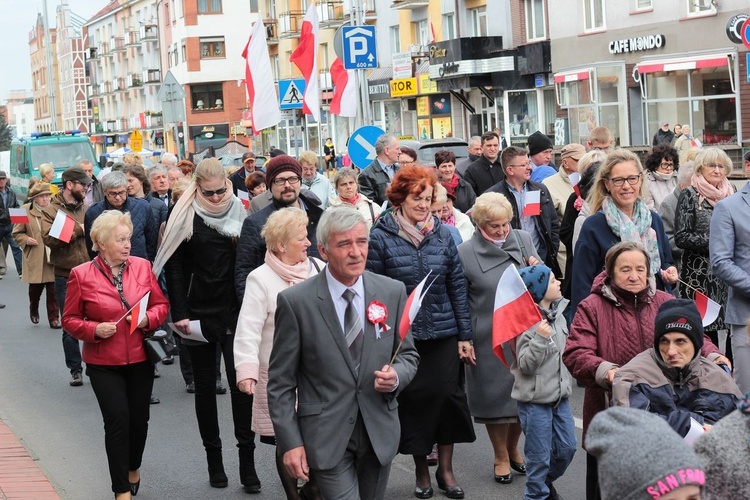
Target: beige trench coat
(36, 265)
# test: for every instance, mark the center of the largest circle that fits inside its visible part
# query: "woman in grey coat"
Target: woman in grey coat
(492, 248)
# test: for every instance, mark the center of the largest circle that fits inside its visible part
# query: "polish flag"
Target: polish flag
(138, 312)
(18, 216)
(62, 227)
(344, 102)
(432, 33)
(708, 308)
(575, 179)
(244, 197)
(411, 309)
(260, 87)
(305, 57)
(515, 311)
(532, 204)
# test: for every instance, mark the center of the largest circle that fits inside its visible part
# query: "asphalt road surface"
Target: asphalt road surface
(61, 427)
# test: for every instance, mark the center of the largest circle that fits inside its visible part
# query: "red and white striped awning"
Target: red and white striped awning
(710, 61)
(572, 76)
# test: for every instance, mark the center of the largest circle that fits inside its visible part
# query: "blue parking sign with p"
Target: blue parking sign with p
(360, 51)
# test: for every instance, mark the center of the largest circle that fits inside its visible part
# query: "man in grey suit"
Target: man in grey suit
(330, 360)
(729, 247)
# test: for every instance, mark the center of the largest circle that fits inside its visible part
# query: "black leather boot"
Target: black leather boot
(248, 476)
(216, 475)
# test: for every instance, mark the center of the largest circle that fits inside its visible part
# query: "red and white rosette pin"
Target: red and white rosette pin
(377, 314)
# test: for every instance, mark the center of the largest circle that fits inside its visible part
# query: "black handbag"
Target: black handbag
(158, 346)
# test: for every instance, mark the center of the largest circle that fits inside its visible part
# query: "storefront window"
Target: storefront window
(608, 80)
(393, 124)
(524, 115)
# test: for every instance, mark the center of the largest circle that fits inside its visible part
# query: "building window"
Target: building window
(448, 27)
(275, 67)
(535, 20)
(395, 38)
(593, 13)
(644, 4)
(698, 7)
(184, 52)
(209, 6)
(209, 97)
(422, 32)
(479, 21)
(212, 48)
(253, 5)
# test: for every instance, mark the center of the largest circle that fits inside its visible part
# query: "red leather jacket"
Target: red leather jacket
(93, 299)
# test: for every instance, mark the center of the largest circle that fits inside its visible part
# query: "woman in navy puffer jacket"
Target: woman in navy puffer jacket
(406, 245)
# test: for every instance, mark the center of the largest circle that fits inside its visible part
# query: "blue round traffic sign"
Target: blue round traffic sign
(361, 145)
(745, 32)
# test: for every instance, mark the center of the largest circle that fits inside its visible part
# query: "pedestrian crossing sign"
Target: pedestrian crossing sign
(291, 93)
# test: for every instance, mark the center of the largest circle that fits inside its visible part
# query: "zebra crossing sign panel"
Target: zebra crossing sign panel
(291, 93)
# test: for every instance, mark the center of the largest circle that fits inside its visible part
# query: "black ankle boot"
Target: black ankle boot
(248, 476)
(216, 475)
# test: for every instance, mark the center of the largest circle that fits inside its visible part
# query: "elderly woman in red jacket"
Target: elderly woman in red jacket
(611, 326)
(100, 294)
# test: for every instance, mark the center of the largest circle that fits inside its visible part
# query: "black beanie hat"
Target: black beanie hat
(282, 163)
(680, 316)
(538, 142)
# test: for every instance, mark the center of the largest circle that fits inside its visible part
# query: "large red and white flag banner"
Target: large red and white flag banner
(62, 227)
(515, 311)
(260, 87)
(305, 57)
(344, 102)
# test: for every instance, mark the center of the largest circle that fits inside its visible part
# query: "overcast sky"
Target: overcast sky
(16, 22)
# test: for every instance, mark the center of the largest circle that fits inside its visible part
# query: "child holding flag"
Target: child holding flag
(542, 387)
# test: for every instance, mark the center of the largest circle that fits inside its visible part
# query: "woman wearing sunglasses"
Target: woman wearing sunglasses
(198, 254)
(617, 202)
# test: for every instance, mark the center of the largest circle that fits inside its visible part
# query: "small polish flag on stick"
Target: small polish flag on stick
(137, 312)
(411, 309)
(515, 311)
(575, 178)
(244, 198)
(18, 216)
(532, 204)
(62, 227)
(708, 308)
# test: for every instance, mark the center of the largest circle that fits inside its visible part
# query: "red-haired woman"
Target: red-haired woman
(406, 245)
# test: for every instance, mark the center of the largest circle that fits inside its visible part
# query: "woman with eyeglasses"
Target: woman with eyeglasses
(695, 206)
(619, 213)
(662, 165)
(406, 156)
(198, 252)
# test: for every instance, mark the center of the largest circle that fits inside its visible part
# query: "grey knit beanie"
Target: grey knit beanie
(640, 456)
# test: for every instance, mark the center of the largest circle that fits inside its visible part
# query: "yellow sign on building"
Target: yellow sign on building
(423, 106)
(136, 141)
(403, 88)
(427, 86)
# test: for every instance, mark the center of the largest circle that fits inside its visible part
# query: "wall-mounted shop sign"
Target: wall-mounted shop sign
(637, 44)
(404, 87)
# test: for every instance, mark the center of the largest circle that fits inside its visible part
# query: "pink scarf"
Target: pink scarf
(710, 193)
(292, 274)
(498, 243)
(350, 201)
(415, 234)
(450, 220)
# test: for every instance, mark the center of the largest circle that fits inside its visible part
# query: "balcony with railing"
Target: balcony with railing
(154, 120)
(105, 88)
(103, 49)
(94, 90)
(92, 53)
(409, 4)
(290, 24)
(331, 13)
(149, 33)
(118, 84)
(151, 76)
(272, 31)
(132, 39)
(117, 44)
(134, 80)
(109, 126)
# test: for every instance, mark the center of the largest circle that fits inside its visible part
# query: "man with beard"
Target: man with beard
(64, 256)
(284, 181)
(475, 151)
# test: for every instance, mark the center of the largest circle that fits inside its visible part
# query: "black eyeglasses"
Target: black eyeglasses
(291, 180)
(619, 181)
(209, 194)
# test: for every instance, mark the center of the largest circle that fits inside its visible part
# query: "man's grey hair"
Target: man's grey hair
(685, 173)
(168, 160)
(337, 220)
(475, 139)
(383, 142)
(114, 180)
(85, 162)
(176, 169)
(156, 169)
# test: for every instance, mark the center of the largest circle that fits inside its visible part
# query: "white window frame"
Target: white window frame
(700, 7)
(422, 32)
(477, 16)
(532, 23)
(449, 26)
(395, 36)
(589, 14)
(644, 5)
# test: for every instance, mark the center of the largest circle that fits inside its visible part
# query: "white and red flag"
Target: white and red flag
(244, 197)
(18, 216)
(344, 102)
(575, 179)
(62, 227)
(260, 87)
(708, 308)
(515, 311)
(305, 57)
(138, 312)
(411, 309)
(532, 204)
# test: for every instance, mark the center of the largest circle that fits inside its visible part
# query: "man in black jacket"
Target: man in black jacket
(8, 200)
(487, 170)
(284, 181)
(374, 180)
(248, 167)
(543, 228)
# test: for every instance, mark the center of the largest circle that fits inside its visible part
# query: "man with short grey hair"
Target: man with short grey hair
(174, 174)
(475, 151)
(344, 319)
(157, 175)
(375, 179)
(168, 160)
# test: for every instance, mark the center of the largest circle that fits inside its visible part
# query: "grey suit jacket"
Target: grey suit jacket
(310, 367)
(729, 248)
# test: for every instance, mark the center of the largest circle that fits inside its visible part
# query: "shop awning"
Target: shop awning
(708, 61)
(383, 73)
(573, 76)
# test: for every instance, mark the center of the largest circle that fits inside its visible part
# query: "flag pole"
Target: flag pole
(395, 354)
